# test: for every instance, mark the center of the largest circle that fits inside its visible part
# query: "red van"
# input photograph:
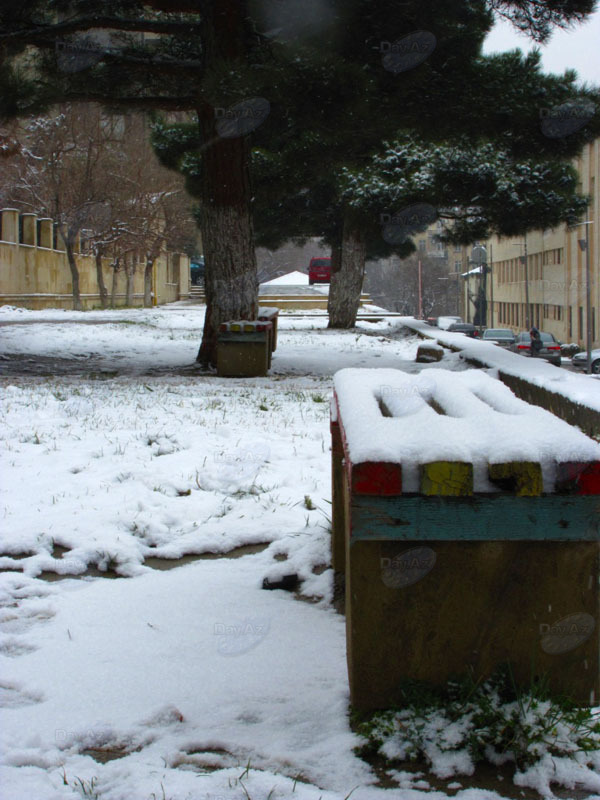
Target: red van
(319, 270)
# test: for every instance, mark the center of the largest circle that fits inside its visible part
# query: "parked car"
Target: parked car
(319, 270)
(464, 327)
(579, 361)
(197, 271)
(445, 322)
(550, 347)
(502, 336)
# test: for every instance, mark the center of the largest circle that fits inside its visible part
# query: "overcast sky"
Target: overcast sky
(578, 48)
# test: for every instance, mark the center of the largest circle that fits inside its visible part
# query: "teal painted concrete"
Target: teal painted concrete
(502, 518)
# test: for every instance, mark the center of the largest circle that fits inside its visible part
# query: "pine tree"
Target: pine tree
(316, 73)
(178, 56)
(504, 106)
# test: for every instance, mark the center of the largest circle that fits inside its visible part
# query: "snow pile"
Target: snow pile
(471, 417)
(291, 279)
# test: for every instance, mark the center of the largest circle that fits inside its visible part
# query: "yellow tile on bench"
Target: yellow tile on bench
(452, 478)
(521, 478)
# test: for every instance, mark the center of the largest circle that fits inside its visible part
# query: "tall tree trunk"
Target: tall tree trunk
(129, 273)
(100, 278)
(231, 283)
(77, 306)
(347, 281)
(148, 281)
(115, 279)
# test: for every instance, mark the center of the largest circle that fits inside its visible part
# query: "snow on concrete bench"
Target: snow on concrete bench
(467, 525)
(267, 314)
(429, 352)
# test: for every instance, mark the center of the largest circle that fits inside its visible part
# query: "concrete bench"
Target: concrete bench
(271, 315)
(429, 352)
(244, 349)
(466, 527)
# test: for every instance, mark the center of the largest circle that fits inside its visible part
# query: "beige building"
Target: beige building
(554, 276)
(34, 272)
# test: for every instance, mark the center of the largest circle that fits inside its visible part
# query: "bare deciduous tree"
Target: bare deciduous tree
(97, 176)
(394, 284)
(60, 172)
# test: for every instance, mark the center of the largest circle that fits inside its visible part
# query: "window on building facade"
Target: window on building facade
(173, 268)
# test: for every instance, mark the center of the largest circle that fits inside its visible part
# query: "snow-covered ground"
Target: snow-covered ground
(193, 682)
(289, 279)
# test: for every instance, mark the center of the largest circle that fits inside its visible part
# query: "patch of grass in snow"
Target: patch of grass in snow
(32, 438)
(84, 788)
(492, 721)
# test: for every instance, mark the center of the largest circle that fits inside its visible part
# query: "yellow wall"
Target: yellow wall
(37, 277)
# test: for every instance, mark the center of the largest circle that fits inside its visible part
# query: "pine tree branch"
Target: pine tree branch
(179, 6)
(137, 102)
(145, 62)
(537, 18)
(37, 33)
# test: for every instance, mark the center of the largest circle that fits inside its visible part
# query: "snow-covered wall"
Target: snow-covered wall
(572, 397)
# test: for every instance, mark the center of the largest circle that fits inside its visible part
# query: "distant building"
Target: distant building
(554, 275)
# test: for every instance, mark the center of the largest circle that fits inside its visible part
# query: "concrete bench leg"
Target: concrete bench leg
(472, 605)
(338, 501)
(242, 355)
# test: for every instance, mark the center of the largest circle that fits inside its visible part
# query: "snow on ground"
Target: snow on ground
(197, 682)
(290, 279)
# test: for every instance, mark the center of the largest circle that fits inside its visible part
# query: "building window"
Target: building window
(570, 315)
(457, 266)
(580, 322)
(173, 268)
(422, 244)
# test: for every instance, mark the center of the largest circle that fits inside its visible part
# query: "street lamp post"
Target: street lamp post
(523, 260)
(527, 319)
(479, 257)
(584, 244)
(491, 264)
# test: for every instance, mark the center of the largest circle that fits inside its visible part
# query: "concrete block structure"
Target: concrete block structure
(244, 349)
(466, 524)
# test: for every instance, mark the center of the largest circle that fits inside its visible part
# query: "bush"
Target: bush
(467, 722)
